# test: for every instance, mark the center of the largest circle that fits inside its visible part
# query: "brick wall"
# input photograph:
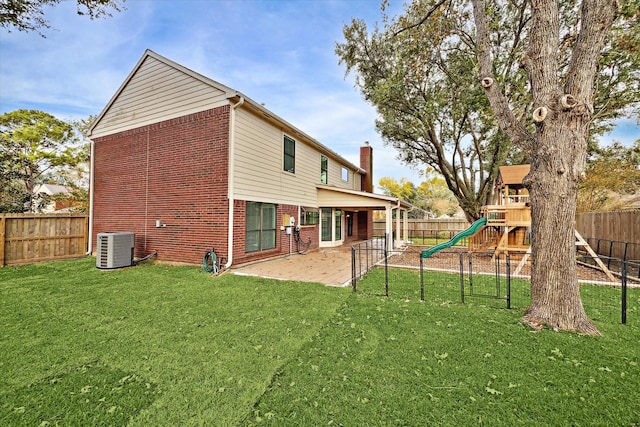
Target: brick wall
(173, 171)
(283, 247)
(176, 171)
(365, 219)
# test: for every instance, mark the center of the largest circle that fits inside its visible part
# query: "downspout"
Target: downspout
(91, 166)
(232, 147)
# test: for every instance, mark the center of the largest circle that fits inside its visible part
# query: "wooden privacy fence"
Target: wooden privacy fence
(623, 226)
(27, 238)
(425, 227)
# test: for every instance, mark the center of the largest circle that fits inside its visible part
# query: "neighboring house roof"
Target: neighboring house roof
(51, 189)
(195, 103)
(512, 175)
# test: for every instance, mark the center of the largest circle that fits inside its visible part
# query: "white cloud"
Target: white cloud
(279, 52)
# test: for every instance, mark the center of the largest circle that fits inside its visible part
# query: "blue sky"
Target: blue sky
(279, 52)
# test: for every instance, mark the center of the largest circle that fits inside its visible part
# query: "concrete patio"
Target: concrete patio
(330, 266)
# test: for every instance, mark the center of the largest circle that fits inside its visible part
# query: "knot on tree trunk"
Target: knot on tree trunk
(568, 101)
(486, 82)
(583, 109)
(539, 114)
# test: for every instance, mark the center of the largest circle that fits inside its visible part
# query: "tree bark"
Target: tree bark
(553, 186)
(557, 149)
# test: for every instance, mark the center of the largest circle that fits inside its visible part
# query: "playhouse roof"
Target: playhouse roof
(512, 175)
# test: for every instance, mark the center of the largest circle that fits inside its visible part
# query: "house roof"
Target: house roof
(230, 94)
(512, 175)
(51, 189)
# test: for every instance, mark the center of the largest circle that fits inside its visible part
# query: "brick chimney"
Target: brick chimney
(366, 163)
(365, 218)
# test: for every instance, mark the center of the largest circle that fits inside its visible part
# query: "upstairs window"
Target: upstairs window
(289, 155)
(324, 169)
(345, 174)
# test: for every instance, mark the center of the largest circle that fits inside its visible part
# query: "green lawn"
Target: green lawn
(158, 345)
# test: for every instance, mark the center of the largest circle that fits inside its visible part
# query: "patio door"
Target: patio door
(331, 228)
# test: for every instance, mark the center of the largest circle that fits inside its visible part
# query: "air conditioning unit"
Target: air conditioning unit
(115, 250)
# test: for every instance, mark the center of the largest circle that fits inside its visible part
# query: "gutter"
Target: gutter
(91, 178)
(232, 148)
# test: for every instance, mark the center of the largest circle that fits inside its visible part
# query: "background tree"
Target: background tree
(430, 107)
(33, 144)
(13, 195)
(76, 178)
(612, 173)
(28, 15)
(430, 199)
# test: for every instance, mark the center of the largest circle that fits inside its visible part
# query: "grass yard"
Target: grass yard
(158, 345)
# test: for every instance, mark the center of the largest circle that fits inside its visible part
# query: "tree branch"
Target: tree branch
(597, 16)
(423, 20)
(518, 134)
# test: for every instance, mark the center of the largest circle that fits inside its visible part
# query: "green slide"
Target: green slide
(473, 229)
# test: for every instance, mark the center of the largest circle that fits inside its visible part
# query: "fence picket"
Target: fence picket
(27, 238)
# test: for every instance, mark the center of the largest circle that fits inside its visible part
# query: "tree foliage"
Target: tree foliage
(28, 15)
(420, 71)
(431, 198)
(612, 174)
(34, 145)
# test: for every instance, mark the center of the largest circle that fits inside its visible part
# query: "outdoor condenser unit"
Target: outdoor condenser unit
(115, 250)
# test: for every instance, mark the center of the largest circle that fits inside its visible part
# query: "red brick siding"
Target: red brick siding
(365, 218)
(240, 255)
(354, 232)
(174, 171)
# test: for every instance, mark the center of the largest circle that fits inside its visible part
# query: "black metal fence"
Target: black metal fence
(497, 280)
(614, 252)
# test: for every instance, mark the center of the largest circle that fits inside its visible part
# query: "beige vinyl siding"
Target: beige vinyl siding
(259, 174)
(155, 93)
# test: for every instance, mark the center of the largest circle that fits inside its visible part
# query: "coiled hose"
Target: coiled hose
(210, 262)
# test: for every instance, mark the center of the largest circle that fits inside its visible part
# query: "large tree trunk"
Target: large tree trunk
(556, 168)
(558, 148)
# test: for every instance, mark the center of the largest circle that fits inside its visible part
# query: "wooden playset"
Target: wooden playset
(508, 224)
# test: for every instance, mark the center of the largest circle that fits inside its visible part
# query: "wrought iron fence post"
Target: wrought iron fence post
(421, 278)
(470, 274)
(498, 275)
(366, 254)
(353, 268)
(610, 252)
(508, 282)
(461, 277)
(386, 271)
(624, 292)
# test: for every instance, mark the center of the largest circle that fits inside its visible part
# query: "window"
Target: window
(324, 168)
(309, 216)
(289, 154)
(345, 174)
(260, 226)
(325, 227)
(338, 215)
